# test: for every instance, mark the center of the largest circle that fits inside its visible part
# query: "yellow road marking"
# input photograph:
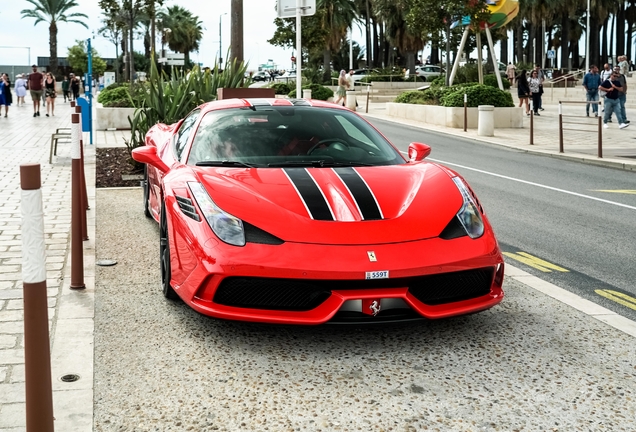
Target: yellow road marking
(620, 191)
(535, 262)
(618, 297)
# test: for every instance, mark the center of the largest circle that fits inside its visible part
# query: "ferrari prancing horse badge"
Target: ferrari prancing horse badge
(371, 255)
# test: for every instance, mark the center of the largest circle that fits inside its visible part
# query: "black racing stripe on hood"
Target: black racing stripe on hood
(309, 193)
(364, 198)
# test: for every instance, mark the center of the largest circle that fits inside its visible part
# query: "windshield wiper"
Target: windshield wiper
(224, 163)
(317, 164)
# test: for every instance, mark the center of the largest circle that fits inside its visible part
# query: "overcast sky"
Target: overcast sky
(258, 15)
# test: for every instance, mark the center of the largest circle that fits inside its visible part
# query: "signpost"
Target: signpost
(296, 8)
(173, 59)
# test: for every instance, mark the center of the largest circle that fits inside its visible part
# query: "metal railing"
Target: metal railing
(563, 78)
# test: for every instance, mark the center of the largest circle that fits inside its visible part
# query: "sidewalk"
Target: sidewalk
(26, 140)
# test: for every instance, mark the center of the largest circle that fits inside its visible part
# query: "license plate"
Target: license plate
(382, 274)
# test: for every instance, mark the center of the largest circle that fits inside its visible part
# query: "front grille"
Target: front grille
(272, 294)
(451, 287)
(304, 295)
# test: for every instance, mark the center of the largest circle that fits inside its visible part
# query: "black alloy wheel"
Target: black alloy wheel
(164, 258)
(146, 193)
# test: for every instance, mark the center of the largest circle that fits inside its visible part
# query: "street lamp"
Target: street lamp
(220, 45)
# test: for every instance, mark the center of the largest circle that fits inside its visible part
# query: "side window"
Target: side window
(184, 133)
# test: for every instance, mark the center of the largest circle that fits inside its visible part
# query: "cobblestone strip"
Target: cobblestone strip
(27, 140)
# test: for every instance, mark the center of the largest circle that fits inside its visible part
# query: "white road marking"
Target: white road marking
(536, 184)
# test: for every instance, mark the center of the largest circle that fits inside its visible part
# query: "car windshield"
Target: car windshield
(275, 136)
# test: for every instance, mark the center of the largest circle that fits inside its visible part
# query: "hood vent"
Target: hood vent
(185, 204)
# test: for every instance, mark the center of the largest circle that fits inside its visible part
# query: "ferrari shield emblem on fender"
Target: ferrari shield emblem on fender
(371, 306)
(372, 256)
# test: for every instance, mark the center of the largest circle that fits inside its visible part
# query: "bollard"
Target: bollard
(465, 112)
(37, 353)
(351, 100)
(78, 110)
(77, 252)
(368, 91)
(560, 128)
(486, 122)
(600, 137)
(306, 93)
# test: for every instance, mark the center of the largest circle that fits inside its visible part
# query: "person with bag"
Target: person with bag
(612, 105)
(341, 92)
(20, 89)
(605, 75)
(534, 84)
(523, 91)
(622, 96)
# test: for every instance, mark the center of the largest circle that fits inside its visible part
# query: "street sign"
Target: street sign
(287, 8)
(551, 54)
(175, 62)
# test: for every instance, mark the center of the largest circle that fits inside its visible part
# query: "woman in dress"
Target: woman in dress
(534, 83)
(49, 91)
(20, 89)
(341, 92)
(5, 91)
(523, 91)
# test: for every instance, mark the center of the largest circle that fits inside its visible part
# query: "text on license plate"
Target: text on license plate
(382, 274)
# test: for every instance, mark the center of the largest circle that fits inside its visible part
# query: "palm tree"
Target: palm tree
(52, 12)
(336, 20)
(186, 30)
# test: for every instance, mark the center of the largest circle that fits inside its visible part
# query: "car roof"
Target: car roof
(254, 102)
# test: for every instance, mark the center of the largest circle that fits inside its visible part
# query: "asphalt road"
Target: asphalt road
(528, 364)
(556, 210)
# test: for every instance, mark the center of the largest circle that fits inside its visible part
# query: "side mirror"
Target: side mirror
(418, 151)
(148, 155)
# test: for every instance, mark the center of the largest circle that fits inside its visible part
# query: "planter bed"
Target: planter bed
(505, 118)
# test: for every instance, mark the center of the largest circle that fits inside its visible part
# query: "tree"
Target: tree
(113, 31)
(78, 59)
(53, 12)
(186, 30)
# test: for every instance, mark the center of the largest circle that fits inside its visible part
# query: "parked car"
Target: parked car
(429, 72)
(261, 76)
(301, 212)
(358, 74)
(289, 75)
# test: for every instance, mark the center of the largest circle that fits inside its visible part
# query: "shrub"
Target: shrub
(440, 80)
(281, 88)
(118, 96)
(491, 80)
(477, 95)
(115, 85)
(417, 97)
(317, 92)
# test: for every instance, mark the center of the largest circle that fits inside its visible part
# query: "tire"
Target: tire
(164, 258)
(146, 194)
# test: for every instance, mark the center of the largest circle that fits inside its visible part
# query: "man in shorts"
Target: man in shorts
(36, 85)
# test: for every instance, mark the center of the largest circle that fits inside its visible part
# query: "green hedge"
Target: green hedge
(477, 95)
(417, 97)
(117, 96)
(317, 92)
(281, 88)
(491, 80)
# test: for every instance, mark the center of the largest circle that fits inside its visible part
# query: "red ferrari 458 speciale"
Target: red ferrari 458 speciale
(301, 212)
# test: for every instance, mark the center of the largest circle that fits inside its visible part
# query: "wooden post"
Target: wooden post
(560, 128)
(77, 209)
(600, 137)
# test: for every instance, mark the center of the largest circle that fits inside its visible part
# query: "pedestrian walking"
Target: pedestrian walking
(612, 105)
(49, 89)
(5, 93)
(623, 64)
(591, 82)
(341, 91)
(523, 91)
(622, 96)
(66, 85)
(20, 89)
(36, 84)
(534, 84)
(605, 75)
(510, 73)
(541, 77)
(75, 86)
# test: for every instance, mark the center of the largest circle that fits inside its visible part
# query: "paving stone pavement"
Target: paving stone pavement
(25, 139)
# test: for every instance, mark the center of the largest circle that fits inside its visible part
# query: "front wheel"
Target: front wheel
(164, 257)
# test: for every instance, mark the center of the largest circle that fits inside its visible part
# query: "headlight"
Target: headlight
(469, 215)
(226, 227)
